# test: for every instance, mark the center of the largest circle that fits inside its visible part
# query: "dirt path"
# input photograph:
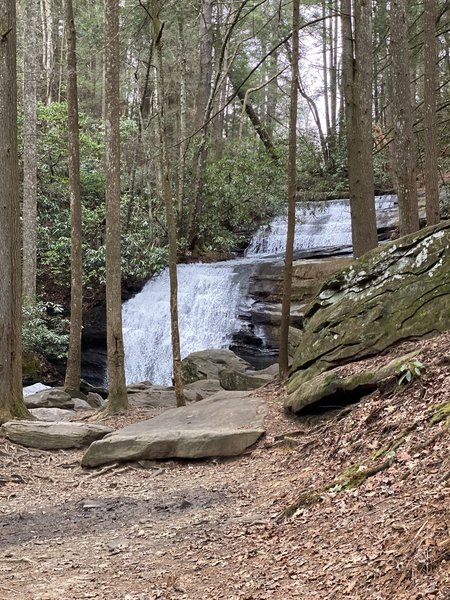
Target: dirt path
(207, 529)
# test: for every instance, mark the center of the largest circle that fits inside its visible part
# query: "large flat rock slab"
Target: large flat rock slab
(53, 436)
(223, 425)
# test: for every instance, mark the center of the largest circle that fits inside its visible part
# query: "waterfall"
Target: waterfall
(318, 225)
(211, 297)
(208, 299)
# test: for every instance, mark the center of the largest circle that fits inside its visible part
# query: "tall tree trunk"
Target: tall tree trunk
(157, 27)
(29, 214)
(117, 393)
(430, 118)
(48, 49)
(11, 397)
(357, 74)
(403, 119)
(203, 93)
(73, 371)
(292, 196)
(183, 121)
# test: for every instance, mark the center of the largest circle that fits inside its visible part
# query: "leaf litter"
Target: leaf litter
(189, 530)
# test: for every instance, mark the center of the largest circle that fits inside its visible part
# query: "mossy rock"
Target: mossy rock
(329, 385)
(398, 291)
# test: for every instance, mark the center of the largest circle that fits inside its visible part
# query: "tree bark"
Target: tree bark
(29, 210)
(357, 75)
(403, 120)
(168, 202)
(11, 397)
(431, 174)
(117, 394)
(292, 196)
(73, 370)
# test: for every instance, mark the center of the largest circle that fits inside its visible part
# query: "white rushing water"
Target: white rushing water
(208, 297)
(318, 225)
(209, 294)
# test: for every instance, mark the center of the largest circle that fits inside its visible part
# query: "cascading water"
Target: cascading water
(208, 298)
(211, 296)
(318, 225)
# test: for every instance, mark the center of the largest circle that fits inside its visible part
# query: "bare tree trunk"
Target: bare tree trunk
(430, 118)
(29, 214)
(168, 201)
(403, 120)
(48, 55)
(73, 371)
(11, 397)
(292, 196)
(117, 393)
(357, 74)
(183, 118)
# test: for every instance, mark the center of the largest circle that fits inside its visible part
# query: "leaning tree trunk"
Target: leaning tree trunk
(29, 211)
(11, 397)
(73, 371)
(430, 116)
(292, 195)
(117, 393)
(403, 120)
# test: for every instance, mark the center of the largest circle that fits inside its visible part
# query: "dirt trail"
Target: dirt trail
(208, 529)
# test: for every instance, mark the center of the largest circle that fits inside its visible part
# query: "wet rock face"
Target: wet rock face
(396, 292)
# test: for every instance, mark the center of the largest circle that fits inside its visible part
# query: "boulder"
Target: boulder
(95, 400)
(34, 389)
(250, 380)
(399, 291)
(151, 396)
(207, 364)
(333, 386)
(80, 404)
(52, 414)
(201, 389)
(51, 398)
(223, 425)
(53, 436)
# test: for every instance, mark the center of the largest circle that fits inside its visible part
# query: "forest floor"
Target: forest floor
(215, 529)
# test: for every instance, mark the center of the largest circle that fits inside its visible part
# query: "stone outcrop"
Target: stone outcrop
(223, 425)
(53, 436)
(333, 386)
(396, 292)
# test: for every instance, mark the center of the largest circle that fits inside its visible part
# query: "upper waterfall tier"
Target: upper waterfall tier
(318, 225)
(208, 297)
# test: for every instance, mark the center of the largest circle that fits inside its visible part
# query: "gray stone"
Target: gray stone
(34, 389)
(95, 400)
(223, 425)
(53, 436)
(151, 396)
(250, 380)
(80, 404)
(399, 291)
(201, 389)
(52, 414)
(51, 398)
(207, 364)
